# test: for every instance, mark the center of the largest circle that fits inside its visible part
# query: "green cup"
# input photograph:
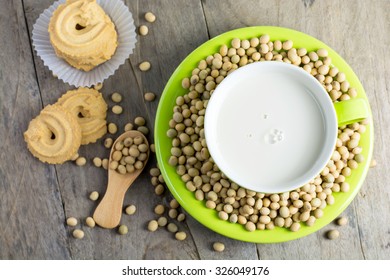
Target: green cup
(290, 128)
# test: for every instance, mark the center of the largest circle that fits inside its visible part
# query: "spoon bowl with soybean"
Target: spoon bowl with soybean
(109, 211)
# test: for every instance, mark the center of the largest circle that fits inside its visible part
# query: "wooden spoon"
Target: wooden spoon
(109, 211)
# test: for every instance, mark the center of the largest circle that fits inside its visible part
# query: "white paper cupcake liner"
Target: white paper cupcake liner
(127, 38)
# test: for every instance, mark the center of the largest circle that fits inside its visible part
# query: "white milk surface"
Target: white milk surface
(270, 130)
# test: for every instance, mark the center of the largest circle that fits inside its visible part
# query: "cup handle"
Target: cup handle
(350, 111)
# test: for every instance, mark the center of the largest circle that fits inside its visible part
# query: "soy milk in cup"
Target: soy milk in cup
(271, 127)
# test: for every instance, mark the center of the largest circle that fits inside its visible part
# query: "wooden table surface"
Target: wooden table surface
(36, 198)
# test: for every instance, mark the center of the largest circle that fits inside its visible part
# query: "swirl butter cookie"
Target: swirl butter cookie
(82, 34)
(54, 136)
(90, 109)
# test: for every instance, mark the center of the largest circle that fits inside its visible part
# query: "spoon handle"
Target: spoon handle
(109, 211)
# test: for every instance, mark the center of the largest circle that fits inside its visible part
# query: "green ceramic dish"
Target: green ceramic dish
(187, 199)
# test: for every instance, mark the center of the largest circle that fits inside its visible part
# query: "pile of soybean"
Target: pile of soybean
(129, 155)
(190, 156)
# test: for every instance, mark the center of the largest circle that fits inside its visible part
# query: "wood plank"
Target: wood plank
(76, 183)
(317, 246)
(234, 249)
(370, 57)
(351, 28)
(168, 43)
(31, 213)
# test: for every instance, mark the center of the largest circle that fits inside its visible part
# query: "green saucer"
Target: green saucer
(197, 209)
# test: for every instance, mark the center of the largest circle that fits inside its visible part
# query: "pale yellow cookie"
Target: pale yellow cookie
(82, 34)
(90, 109)
(54, 136)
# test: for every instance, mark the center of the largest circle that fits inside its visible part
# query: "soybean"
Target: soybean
(144, 66)
(149, 96)
(108, 143)
(116, 97)
(140, 121)
(122, 230)
(159, 209)
(130, 210)
(153, 225)
(128, 127)
(81, 161)
(181, 217)
(98, 86)
(333, 234)
(94, 196)
(342, 221)
(180, 235)
(172, 227)
(143, 30)
(78, 234)
(97, 161)
(218, 247)
(116, 109)
(162, 221)
(150, 17)
(71, 221)
(90, 222)
(112, 128)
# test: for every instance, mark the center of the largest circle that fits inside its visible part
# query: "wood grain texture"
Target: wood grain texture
(76, 183)
(35, 198)
(31, 214)
(352, 29)
(234, 250)
(167, 44)
(371, 59)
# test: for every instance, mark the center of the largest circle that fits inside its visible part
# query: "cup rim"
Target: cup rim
(323, 100)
